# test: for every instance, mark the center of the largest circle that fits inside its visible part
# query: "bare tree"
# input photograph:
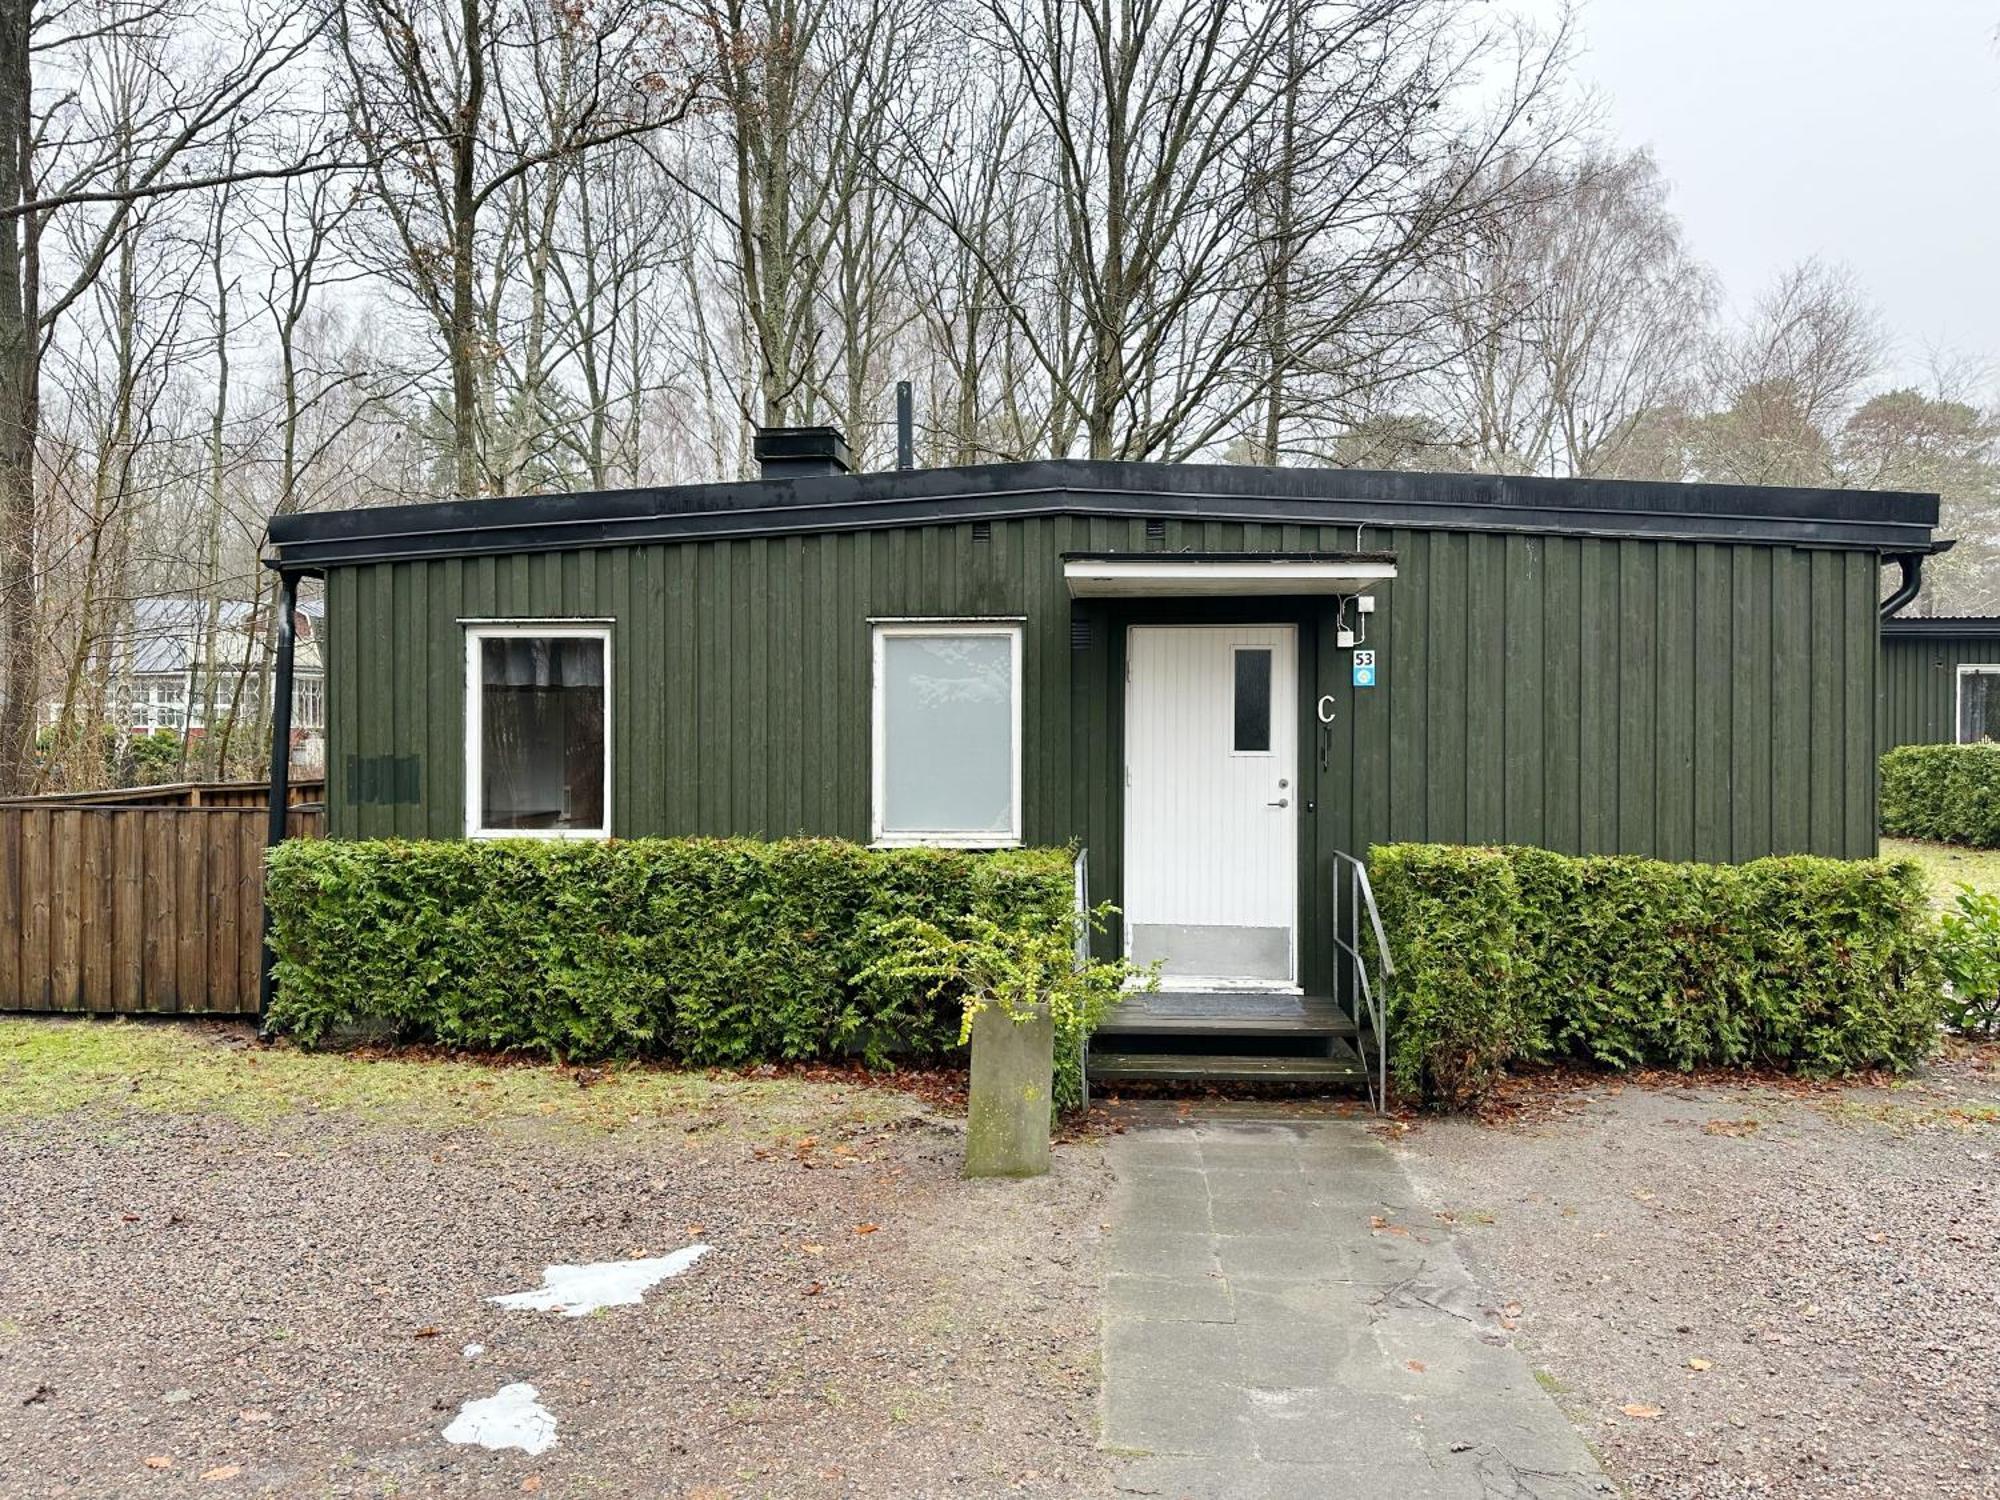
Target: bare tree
(1787, 380)
(1570, 316)
(60, 163)
(1242, 193)
(420, 93)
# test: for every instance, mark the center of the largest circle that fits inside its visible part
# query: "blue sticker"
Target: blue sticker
(1364, 669)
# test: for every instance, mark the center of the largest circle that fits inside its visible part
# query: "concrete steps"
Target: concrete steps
(1227, 1036)
(1199, 1067)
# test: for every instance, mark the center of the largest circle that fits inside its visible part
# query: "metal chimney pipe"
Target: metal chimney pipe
(906, 427)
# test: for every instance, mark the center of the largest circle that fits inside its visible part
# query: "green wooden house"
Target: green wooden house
(1940, 680)
(1221, 682)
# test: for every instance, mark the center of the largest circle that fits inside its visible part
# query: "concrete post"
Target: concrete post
(1013, 1070)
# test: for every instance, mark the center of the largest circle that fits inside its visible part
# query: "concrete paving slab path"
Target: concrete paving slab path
(1283, 1322)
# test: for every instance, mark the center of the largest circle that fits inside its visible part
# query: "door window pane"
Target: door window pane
(1978, 705)
(541, 743)
(1253, 700)
(946, 717)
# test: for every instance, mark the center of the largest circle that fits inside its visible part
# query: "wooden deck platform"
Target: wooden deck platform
(1227, 1013)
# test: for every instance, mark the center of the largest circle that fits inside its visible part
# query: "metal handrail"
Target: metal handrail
(1372, 997)
(1080, 872)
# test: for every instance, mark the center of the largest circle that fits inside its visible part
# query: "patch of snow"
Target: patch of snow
(509, 1418)
(576, 1291)
(473, 1351)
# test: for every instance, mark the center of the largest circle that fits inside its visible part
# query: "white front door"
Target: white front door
(1211, 803)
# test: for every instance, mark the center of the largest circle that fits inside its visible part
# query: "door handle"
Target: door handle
(1281, 802)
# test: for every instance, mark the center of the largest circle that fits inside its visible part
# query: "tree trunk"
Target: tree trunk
(464, 334)
(19, 408)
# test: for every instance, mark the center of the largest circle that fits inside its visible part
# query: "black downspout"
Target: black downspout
(1912, 564)
(281, 758)
(906, 427)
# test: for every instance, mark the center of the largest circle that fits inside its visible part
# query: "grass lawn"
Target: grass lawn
(54, 1066)
(1949, 866)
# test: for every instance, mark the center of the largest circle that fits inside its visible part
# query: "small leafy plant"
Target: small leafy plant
(1020, 969)
(1969, 952)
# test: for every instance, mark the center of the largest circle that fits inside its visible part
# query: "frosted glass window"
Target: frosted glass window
(947, 735)
(538, 734)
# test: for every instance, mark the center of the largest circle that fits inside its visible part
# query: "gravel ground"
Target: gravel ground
(204, 1304)
(1743, 1290)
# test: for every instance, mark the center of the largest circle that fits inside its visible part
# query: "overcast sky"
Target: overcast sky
(1863, 131)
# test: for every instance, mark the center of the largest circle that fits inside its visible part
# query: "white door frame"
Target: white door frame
(1283, 766)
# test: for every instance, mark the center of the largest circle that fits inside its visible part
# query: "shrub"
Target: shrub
(1019, 969)
(1823, 966)
(705, 951)
(1449, 915)
(1950, 793)
(1969, 950)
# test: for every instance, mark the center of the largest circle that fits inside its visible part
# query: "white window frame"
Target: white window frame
(884, 631)
(475, 723)
(310, 711)
(1966, 669)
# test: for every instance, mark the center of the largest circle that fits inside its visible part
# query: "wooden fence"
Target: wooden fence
(178, 794)
(117, 908)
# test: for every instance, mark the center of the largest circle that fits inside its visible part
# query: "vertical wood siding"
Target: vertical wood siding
(1918, 704)
(1684, 700)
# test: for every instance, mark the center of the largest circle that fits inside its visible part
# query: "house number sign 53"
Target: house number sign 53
(1364, 669)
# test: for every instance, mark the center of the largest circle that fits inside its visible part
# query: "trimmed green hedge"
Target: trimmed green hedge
(705, 951)
(1822, 966)
(1950, 793)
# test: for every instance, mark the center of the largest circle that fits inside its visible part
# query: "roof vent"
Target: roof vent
(800, 452)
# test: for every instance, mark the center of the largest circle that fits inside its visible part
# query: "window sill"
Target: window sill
(539, 833)
(944, 841)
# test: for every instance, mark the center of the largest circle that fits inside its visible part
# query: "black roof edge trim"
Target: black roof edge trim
(1852, 519)
(1943, 627)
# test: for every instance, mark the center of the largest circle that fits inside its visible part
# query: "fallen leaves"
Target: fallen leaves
(1739, 1128)
(814, 1289)
(1640, 1411)
(428, 1331)
(1415, 1364)
(220, 1472)
(1698, 1363)
(158, 1461)
(253, 1414)
(866, 1228)
(813, 1249)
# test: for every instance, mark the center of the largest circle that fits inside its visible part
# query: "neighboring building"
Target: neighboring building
(1940, 680)
(159, 670)
(1212, 677)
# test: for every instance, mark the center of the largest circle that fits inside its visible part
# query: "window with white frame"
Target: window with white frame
(947, 740)
(537, 731)
(1978, 702)
(309, 711)
(169, 704)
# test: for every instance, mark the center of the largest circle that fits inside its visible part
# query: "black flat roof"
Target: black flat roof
(1865, 520)
(1942, 627)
